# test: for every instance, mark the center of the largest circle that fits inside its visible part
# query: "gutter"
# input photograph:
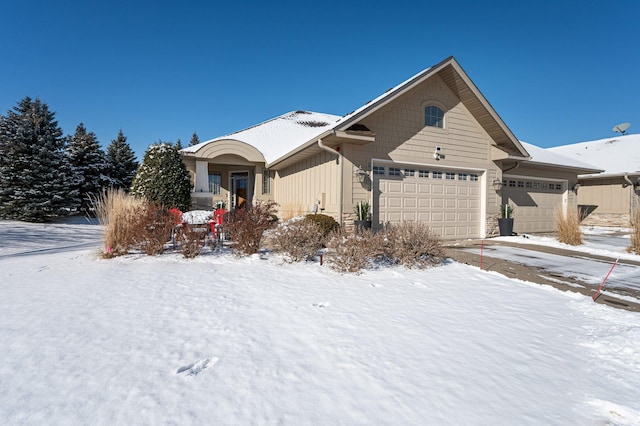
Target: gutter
(340, 177)
(626, 178)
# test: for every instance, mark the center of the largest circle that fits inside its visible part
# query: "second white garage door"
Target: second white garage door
(448, 200)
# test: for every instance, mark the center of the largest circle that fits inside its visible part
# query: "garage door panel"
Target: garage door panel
(534, 206)
(451, 207)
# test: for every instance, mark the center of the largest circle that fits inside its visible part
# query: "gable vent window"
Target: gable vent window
(433, 117)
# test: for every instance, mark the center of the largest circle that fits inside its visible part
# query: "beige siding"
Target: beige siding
(605, 197)
(298, 187)
(402, 137)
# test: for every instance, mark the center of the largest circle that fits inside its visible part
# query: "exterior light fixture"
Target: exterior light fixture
(575, 188)
(497, 184)
(360, 174)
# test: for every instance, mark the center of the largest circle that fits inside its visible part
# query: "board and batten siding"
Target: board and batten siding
(298, 187)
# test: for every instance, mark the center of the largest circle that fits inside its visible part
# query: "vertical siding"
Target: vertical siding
(298, 187)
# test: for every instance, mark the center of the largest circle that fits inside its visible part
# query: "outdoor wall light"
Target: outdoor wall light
(361, 175)
(575, 188)
(497, 184)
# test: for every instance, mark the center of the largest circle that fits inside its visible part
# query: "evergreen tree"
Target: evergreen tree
(195, 140)
(121, 161)
(36, 179)
(90, 165)
(162, 177)
(179, 145)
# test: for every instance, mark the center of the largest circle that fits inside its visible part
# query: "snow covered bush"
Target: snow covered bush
(350, 252)
(568, 227)
(119, 214)
(412, 244)
(297, 240)
(246, 226)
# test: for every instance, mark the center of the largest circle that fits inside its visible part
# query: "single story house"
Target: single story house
(610, 198)
(430, 149)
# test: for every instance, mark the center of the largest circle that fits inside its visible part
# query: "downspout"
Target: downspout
(340, 177)
(631, 194)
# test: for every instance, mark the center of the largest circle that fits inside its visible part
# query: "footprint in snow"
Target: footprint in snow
(321, 305)
(374, 285)
(197, 367)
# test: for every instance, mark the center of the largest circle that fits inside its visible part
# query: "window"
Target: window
(450, 175)
(394, 171)
(528, 184)
(378, 170)
(473, 177)
(437, 175)
(266, 181)
(512, 184)
(214, 183)
(409, 172)
(433, 117)
(463, 176)
(558, 186)
(423, 173)
(520, 184)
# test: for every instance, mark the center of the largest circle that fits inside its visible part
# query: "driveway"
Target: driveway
(579, 270)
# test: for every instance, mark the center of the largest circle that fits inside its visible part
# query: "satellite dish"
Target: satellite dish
(621, 128)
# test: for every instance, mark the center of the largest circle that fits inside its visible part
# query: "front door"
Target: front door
(239, 185)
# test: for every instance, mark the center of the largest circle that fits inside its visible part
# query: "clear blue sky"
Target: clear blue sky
(557, 72)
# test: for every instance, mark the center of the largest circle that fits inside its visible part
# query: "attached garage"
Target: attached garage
(449, 200)
(534, 202)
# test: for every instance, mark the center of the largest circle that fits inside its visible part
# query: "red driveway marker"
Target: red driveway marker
(595, 296)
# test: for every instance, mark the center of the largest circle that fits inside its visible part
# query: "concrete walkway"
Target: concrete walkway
(461, 251)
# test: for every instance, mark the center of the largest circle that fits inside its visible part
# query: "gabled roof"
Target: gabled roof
(546, 157)
(290, 134)
(280, 135)
(459, 82)
(616, 155)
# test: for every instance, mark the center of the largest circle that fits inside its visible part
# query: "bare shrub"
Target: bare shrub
(568, 227)
(191, 238)
(352, 251)
(119, 214)
(635, 235)
(412, 244)
(154, 228)
(298, 241)
(246, 226)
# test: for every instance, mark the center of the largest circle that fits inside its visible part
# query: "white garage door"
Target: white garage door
(448, 200)
(534, 202)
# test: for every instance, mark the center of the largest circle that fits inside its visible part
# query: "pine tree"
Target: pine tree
(36, 179)
(179, 145)
(195, 140)
(90, 165)
(162, 177)
(122, 163)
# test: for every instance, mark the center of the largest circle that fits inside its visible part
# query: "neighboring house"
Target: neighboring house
(610, 198)
(431, 149)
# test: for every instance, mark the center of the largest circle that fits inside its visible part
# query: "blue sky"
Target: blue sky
(557, 72)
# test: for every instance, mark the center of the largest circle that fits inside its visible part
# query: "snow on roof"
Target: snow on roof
(545, 156)
(614, 155)
(280, 135)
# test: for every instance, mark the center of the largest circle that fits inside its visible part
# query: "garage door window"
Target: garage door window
(378, 170)
(394, 171)
(423, 173)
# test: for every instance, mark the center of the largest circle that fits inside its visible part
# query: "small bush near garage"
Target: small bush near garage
(568, 227)
(246, 226)
(327, 223)
(154, 225)
(635, 235)
(119, 214)
(412, 244)
(297, 241)
(352, 251)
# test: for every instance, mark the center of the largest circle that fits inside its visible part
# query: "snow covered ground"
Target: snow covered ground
(222, 340)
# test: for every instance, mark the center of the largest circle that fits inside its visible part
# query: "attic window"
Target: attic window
(433, 117)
